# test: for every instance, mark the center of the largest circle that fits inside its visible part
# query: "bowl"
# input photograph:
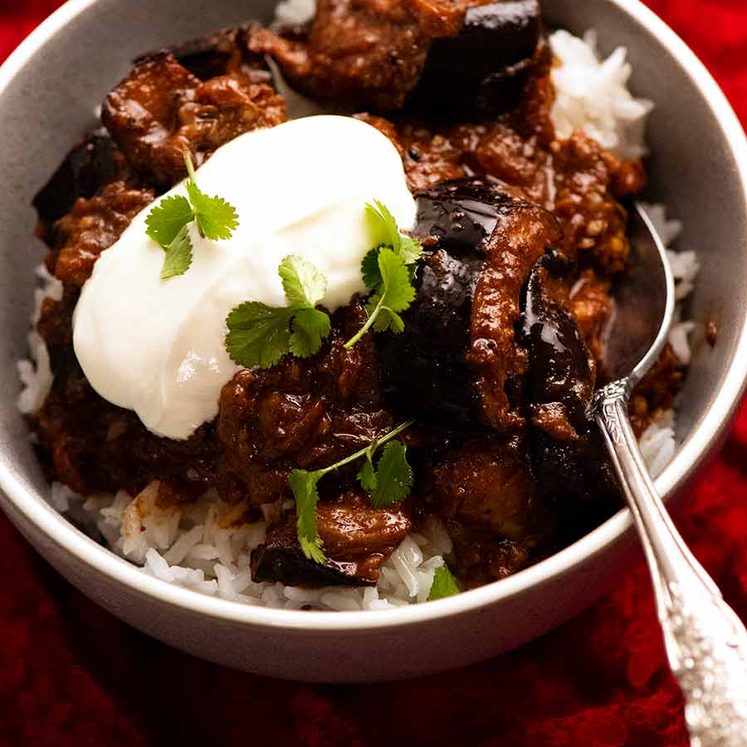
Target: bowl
(49, 89)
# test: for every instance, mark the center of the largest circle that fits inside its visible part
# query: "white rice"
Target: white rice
(592, 95)
(35, 374)
(202, 546)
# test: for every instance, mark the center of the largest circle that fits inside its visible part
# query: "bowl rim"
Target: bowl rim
(688, 459)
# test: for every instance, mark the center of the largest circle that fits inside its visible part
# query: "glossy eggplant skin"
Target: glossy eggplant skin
(221, 53)
(568, 455)
(561, 372)
(481, 72)
(424, 371)
(280, 559)
(84, 172)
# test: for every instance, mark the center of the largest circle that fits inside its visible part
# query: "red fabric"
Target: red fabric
(70, 674)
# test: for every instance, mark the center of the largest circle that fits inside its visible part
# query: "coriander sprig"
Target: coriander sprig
(260, 335)
(388, 483)
(168, 223)
(387, 271)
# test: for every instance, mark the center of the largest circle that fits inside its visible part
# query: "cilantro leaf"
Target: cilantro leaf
(305, 492)
(394, 476)
(383, 225)
(304, 484)
(397, 292)
(388, 271)
(258, 335)
(410, 250)
(395, 295)
(303, 284)
(168, 223)
(167, 219)
(310, 327)
(444, 584)
(386, 234)
(216, 219)
(367, 475)
(178, 255)
(370, 269)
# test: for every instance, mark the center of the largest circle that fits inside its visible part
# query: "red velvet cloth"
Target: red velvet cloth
(70, 674)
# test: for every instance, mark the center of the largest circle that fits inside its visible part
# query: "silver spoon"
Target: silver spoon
(706, 642)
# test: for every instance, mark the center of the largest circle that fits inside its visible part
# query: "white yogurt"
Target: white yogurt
(156, 346)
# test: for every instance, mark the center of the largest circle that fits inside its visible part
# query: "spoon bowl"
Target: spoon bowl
(644, 306)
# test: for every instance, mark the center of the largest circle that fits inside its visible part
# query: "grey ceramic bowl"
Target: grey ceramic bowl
(48, 91)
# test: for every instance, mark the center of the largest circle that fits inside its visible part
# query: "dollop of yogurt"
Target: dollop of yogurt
(157, 346)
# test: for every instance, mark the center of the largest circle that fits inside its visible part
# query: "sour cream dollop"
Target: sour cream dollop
(157, 347)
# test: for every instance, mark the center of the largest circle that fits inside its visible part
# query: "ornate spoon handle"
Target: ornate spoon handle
(706, 642)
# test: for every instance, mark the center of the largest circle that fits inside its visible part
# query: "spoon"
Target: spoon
(706, 642)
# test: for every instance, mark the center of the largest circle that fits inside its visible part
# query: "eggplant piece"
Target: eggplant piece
(561, 373)
(568, 455)
(434, 383)
(84, 172)
(424, 370)
(220, 53)
(483, 70)
(280, 559)
(457, 360)
(461, 214)
(207, 56)
(357, 541)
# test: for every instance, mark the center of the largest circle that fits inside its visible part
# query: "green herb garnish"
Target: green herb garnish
(168, 223)
(444, 584)
(260, 335)
(387, 271)
(388, 483)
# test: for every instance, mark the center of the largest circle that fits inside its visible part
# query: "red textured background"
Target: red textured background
(70, 674)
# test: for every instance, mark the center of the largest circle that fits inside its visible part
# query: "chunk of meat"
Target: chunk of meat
(487, 482)
(485, 493)
(481, 558)
(357, 539)
(428, 158)
(359, 52)
(501, 152)
(91, 226)
(383, 53)
(162, 110)
(96, 447)
(301, 413)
